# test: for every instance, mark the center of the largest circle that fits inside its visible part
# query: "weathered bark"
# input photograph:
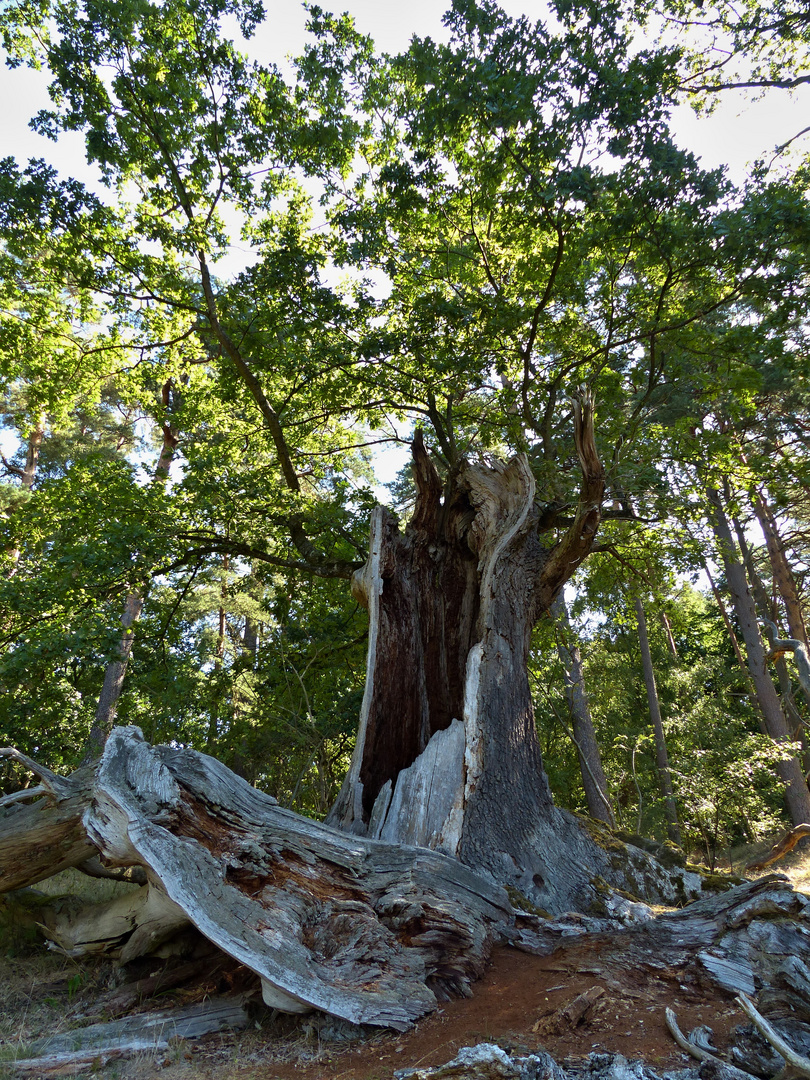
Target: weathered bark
(661, 755)
(597, 796)
(447, 754)
(39, 840)
(789, 770)
(780, 568)
(97, 1044)
(369, 932)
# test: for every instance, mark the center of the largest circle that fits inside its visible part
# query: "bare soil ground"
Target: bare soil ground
(518, 1004)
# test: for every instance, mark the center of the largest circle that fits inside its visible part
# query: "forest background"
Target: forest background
(461, 237)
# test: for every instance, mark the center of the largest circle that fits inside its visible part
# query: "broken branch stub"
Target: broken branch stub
(367, 931)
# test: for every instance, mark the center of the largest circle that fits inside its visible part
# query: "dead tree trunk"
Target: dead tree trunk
(447, 754)
(584, 737)
(790, 771)
(661, 755)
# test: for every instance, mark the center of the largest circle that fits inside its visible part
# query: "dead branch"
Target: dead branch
(780, 849)
(729, 1072)
(796, 1061)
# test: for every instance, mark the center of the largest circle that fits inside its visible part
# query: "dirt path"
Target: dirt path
(518, 1004)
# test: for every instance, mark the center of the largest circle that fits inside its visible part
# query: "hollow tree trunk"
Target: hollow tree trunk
(584, 737)
(790, 771)
(661, 756)
(447, 754)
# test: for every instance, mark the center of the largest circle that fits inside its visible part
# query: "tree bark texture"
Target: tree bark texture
(367, 931)
(447, 755)
(370, 932)
(780, 567)
(597, 795)
(790, 771)
(661, 756)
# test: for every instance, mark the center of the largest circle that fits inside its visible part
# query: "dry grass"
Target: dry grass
(795, 865)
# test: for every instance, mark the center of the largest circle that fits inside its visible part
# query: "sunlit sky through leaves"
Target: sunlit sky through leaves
(738, 132)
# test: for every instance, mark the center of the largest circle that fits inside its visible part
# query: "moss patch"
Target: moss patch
(522, 903)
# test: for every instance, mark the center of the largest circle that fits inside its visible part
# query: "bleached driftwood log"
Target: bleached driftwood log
(367, 931)
(100, 1043)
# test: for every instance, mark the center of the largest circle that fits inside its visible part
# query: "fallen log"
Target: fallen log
(367, 931)
(370, 932)
(120, 1038)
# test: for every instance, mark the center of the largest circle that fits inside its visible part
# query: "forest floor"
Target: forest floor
(519, 1005)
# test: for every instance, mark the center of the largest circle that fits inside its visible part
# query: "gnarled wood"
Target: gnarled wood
(447, 754)
(367, 931)
(40, 838)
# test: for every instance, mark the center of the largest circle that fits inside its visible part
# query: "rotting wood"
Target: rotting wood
(369, 932)
(123, 998)
(142, 1033)
(570, 1015)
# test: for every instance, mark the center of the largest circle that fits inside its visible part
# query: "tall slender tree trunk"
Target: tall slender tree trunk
(673, 648)
(590, 760)
(114, 675)
(790, 771)
(661, 755)
(780, 568)
(28, 472)
(219, 657)
(767, 613)
(116, 669)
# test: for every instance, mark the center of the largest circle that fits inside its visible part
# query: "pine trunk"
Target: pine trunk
(780, 567)
(594, 783)
(790, 771)
(661, 756)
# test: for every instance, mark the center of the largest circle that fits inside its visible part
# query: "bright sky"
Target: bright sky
(736, 134)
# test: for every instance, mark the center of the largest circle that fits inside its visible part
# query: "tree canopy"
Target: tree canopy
(477, 238)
